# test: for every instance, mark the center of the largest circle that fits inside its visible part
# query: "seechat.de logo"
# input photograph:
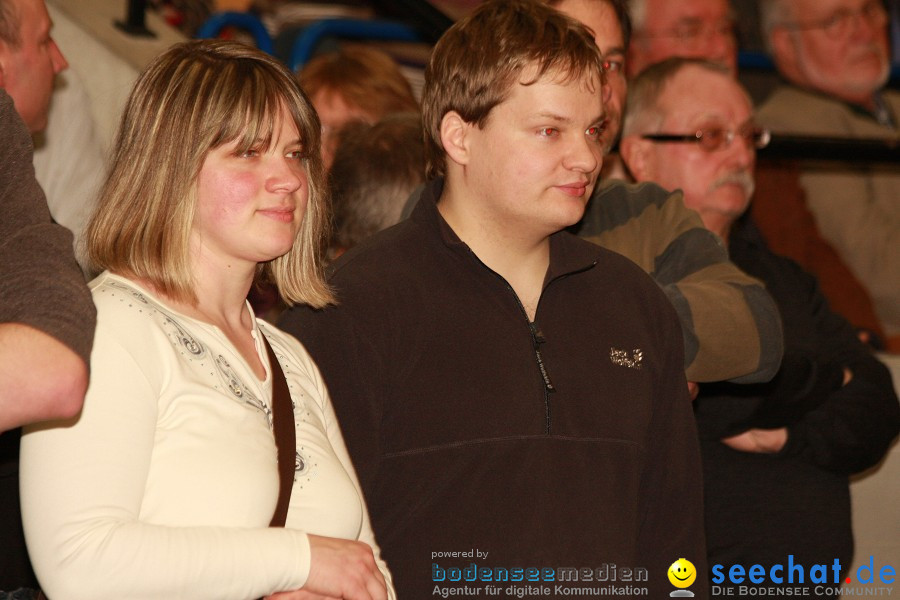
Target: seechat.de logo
(806, 580)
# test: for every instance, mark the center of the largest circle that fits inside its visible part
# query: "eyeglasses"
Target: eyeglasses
(693, 34)
(840, 23)
(716, 138)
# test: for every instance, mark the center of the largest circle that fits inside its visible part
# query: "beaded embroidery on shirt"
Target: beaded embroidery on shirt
(183, 340)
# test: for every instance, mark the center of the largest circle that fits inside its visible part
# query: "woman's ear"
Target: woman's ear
(454, 137)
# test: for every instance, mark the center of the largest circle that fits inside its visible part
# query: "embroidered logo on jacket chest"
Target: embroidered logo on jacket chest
(621, 358)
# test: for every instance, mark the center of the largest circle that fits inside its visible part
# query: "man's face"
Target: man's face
(851, 61)
(602, 20)
(716, 184)
(685, 28)
(534, 163)
(27, 72)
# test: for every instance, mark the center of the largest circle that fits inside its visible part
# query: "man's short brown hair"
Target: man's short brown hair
(478, 60)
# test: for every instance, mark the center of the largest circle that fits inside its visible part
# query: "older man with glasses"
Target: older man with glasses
(689, 28)
(834, 57)
(705, 29)
(776, 456)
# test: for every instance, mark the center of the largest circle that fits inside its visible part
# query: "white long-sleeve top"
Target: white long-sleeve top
(165, 485)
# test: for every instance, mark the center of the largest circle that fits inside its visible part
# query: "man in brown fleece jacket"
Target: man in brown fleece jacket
(513, 397)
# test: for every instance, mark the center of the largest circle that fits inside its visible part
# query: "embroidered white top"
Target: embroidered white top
(164, 487)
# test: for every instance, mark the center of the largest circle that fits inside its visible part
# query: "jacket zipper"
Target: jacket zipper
(537, 338)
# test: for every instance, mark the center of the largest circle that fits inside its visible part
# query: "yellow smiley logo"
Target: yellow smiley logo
(682, 573)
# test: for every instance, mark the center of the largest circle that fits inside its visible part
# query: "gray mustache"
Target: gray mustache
(741, 178)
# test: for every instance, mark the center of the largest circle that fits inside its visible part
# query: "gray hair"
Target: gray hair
(772, 13)
(643, 113)
(638, 10)
(10, 24)
(623, 14)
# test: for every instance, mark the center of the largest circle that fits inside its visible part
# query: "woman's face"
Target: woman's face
(250, 205)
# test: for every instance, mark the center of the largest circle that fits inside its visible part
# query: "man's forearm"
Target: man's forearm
(40, 377)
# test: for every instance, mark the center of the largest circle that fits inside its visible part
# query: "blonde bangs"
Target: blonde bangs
(195, 97)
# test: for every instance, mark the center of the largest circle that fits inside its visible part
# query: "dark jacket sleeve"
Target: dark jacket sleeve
(853, 427)
(41, 285)
(848, 428)
(731, 326)
(836, 427)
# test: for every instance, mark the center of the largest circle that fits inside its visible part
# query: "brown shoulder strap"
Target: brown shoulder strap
(285, 436)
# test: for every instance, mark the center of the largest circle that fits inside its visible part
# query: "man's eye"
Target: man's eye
(613, 66)
(873, 9)
(724, 28)
(838, 19)
(714, 135)
(548, 131)
(714, 138)
(594, 132)
(689, 32)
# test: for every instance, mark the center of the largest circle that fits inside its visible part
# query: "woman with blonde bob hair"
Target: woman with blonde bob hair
(166, 485)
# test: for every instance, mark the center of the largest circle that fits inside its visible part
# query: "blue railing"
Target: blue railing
(306, 41)
(246, 21)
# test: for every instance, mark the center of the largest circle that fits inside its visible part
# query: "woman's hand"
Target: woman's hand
(341, 569)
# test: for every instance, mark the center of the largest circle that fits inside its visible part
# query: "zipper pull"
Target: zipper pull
(537, 339)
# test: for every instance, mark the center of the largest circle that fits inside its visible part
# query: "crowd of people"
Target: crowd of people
(325, 339)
